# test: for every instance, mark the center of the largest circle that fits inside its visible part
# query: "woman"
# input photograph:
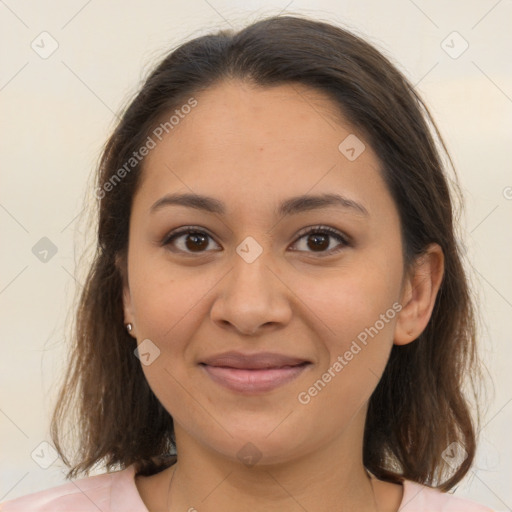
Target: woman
(277, 317)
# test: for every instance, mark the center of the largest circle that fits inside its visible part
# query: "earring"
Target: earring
(129, 327)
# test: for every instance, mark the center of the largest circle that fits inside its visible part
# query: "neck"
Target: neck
(315, 482)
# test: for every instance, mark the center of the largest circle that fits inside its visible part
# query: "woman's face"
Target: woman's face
(252, 280)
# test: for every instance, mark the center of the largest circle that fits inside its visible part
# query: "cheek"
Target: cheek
(355, 317)
(346, 303)
(359, 325)
(164, 297)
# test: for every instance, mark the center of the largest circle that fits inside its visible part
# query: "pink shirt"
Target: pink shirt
(117, 492)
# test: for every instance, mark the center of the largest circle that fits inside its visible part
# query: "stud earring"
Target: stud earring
(129, 327)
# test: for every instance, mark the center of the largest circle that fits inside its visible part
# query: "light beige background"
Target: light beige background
(58, 111)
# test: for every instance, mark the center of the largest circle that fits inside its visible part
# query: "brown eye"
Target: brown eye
(188, 241)
(195, 241)
(318, 240)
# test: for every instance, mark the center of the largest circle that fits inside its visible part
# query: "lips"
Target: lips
(258, 361)
(252, 374)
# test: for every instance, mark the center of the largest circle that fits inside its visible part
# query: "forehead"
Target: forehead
(265, 115)
(253, 143)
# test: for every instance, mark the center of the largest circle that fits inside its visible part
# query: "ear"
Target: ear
(419, 293)
(129, 317)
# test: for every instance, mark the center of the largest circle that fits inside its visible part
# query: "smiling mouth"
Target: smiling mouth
(254, 380)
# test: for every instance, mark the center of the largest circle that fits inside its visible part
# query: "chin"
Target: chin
(257, 446)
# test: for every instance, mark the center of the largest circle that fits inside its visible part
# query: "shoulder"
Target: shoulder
(420, 498)
(107, 492)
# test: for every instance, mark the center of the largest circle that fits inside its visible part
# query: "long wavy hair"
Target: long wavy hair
(419, 406)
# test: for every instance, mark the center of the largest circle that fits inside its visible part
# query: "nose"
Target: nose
(252, 297)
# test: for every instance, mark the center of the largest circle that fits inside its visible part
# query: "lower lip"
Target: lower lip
(253, 381)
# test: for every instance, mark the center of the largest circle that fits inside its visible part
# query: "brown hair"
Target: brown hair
(418, 408)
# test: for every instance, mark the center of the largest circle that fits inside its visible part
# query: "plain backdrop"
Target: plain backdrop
(59, 103)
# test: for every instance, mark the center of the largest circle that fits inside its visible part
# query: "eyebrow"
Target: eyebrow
(290, 206)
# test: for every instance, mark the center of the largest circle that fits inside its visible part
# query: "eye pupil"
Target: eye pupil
(318, 239)
(195, 237)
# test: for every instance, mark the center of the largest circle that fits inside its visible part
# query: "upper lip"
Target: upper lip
(256, 361)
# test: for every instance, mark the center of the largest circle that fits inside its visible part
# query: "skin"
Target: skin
(251, 148)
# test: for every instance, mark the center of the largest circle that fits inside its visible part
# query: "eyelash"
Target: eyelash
(170, 237)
